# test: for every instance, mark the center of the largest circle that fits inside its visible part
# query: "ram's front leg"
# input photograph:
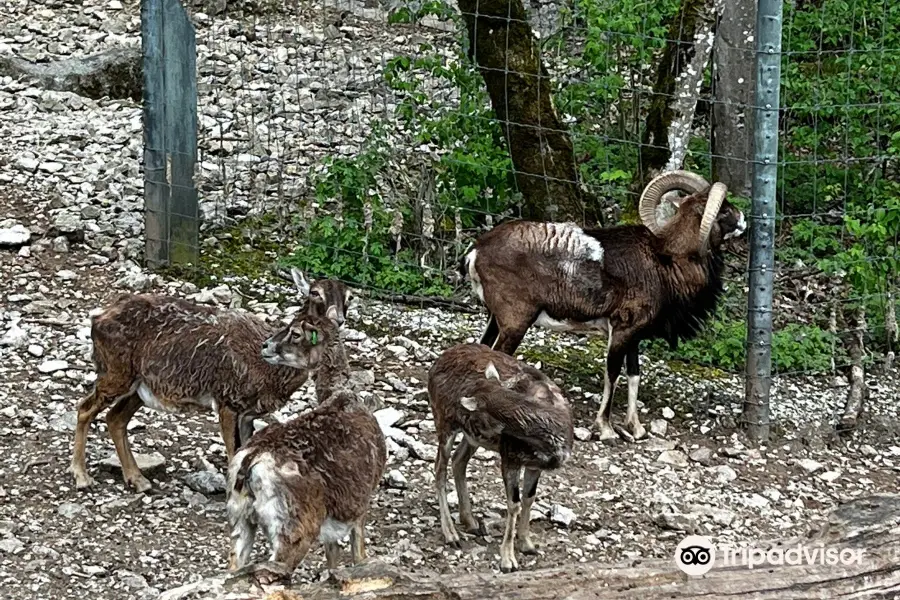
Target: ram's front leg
(633, 369)
(615, 356)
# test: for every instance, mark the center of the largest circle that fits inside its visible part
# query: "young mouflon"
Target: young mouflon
(506, 406)
(313, 477)
(173, 355)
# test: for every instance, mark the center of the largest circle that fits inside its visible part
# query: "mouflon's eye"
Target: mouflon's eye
(313, 337)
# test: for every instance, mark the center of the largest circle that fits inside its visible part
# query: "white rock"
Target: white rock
(702, 455)
(659, 427)
(26, 163)
(668, 413)
(396, 479)
(206, 482)
(70, 510)
(756, 501)
(830, 476)
(11, 545)
(399, 351)
(51, 366)
(809, 465)
(15, 336)
(16, 235)
(725, 474)
(135, 281)
(582, 434)
(145, 462)
(676, 458)
(36, 350)
(562, 515)
(67, 275)
(51, 167)
(388, 417)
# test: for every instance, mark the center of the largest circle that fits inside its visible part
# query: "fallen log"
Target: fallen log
(115, 73)
(870, 524)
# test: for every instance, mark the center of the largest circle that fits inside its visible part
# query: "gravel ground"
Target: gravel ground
(69, 174)
(631, 500)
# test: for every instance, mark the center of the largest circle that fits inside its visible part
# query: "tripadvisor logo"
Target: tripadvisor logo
(696, 555)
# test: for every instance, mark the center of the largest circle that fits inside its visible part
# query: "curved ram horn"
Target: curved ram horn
(661, 185)
(713, 205)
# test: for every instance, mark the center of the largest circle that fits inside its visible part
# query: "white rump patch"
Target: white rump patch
(269, 503)
(334, 531)
(473, 274)
(571, 239)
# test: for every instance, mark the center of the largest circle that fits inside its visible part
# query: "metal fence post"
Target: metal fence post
(156, 188)
(762, 219)
(171, 222)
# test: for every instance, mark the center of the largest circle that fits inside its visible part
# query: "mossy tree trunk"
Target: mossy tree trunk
(503, 47)
(733, 87)
(676, 87)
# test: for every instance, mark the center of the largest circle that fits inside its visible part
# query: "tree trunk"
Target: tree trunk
(677, 87)
(733, 86)
(507, 55)
(858, 391)
(867, 524)
(890, 331)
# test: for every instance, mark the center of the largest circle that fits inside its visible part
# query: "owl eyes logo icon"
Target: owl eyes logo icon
(695, 555)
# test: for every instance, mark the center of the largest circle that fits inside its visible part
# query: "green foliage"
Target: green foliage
(608, 46)
(359, 249)
(795, 347)
(472, 169)
(413, 11)
(841, 84)
(838, 176)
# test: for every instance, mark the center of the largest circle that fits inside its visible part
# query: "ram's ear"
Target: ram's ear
(300, 282)
(491, 372)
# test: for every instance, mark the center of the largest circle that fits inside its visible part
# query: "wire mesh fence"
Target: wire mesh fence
(368, 142)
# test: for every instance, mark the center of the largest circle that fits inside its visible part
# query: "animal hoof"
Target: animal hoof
(455, 544)
(605, 433)
(623, 433)
(140, 484)
(529, 550)
(510, 568)
(472, 526)
(83, 482)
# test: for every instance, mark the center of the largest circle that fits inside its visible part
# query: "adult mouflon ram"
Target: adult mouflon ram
(661, 279)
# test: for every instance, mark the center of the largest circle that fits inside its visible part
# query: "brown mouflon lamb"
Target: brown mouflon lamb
(171, 354)
(311, 477)
(632, 283)
(506, 406)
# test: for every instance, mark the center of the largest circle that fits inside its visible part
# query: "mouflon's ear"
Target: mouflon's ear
(300, 282)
